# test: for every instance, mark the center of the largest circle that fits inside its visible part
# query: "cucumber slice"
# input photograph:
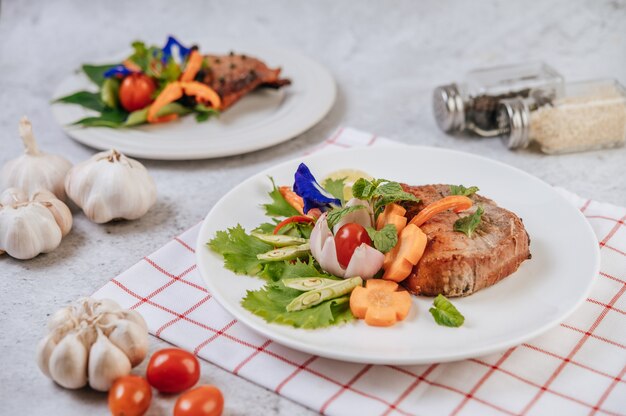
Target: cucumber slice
(286, 253)
(279, 240)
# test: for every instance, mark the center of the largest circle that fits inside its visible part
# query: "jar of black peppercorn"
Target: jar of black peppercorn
(472, 105)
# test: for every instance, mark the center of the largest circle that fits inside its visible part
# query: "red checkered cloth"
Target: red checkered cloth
(576, 368)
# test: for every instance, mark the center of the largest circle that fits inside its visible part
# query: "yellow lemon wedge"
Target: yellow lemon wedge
(349, 176)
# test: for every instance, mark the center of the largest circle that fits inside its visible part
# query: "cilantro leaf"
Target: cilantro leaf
(384, 239)
(270, 303)
(266, 227)
(335, 187)
(445, 313)
(239, 250)
(462, 190)
(279, 206)
(336, 214)
(469, 223)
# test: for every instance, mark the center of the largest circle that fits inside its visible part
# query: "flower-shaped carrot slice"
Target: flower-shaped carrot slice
(380, 303)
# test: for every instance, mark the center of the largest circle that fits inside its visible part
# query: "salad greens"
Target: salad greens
(335, 187)
(381, 192)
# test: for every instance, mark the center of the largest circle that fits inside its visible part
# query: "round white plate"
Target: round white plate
(261, 119)
(539, 295)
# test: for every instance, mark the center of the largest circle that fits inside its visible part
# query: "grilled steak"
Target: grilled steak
(454, 264)
(233, 76)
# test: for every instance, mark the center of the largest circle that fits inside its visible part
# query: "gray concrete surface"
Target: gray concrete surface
(386, 58)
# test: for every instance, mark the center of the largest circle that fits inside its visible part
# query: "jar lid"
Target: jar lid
(514, 123)
(448, 108)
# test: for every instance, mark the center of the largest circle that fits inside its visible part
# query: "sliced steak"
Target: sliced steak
(233, 76)
(454, 264)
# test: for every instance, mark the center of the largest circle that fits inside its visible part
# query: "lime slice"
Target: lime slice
(349, 176)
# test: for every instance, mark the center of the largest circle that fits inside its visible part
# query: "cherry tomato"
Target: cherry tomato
(136, 91)
(347, 239)
(173, 370)
(129, 396)
(201, 401)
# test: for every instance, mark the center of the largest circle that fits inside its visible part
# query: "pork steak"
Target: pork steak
(454, 264)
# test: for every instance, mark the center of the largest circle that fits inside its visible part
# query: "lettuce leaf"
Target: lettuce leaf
(239, 250)
(279, 206)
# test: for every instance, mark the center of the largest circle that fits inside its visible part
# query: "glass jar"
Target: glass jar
(588, 115)
(473, 104)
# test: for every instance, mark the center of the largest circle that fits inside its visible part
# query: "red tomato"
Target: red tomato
(136, 92)
(347, 239)
(173, 370)
(130, 396)
(201, 401)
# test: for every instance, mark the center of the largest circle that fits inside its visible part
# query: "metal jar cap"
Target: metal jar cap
(448, 108)
(514, 122)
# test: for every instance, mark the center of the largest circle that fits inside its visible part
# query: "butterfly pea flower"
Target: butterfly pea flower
(117, 71)
(311, 192)
(167, 49)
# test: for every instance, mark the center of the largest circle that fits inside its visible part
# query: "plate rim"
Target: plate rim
(265, 329)
(282, 135)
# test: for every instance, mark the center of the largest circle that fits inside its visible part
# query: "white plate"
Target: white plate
(260, 119)
(539, 295)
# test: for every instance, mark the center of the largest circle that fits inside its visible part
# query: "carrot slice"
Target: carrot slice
(456, 202)
(170, 93)
(388, 216)
(193, 66)
(202, 93)
(292, 198)
(131, 65)
(400, 260)
(380, 303)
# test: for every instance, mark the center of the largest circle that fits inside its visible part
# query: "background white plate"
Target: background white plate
(260, 119)
(544, 290)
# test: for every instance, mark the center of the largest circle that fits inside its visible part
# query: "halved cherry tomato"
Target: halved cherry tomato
(347, 239)
(201, 401)
(173, 370)
(295, 218)
(136, 92)
(130, 396)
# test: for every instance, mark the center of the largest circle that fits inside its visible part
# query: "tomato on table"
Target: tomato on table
(347, 239)
(201, 401)
(173, 370)
(136, 91)
(130, 396)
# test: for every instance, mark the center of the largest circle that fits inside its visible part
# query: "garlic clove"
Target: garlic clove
(28, 230)
(111, 186)
(106, 305)
(35, 169)
(106, 363)
(61, 318)
(134, 316)
(44, 351)
(132, 339)
(61, 213)
(68, 362)
(13, 196)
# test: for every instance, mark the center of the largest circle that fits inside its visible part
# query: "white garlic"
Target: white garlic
(32, 226)
(92, 341)
(106, 363)
(35, 169)
(111, 186)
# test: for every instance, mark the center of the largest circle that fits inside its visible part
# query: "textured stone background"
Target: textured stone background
(386, 58)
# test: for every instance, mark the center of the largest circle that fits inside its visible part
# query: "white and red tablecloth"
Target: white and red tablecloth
(576, 368)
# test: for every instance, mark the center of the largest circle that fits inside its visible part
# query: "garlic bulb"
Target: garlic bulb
(92, 341)
(111, 186)
(35, 169)
(32, 226)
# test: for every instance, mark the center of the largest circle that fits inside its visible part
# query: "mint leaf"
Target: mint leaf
(335, 187)
(391, 192)
(385, 239)
(335, 215)
(445, 313)
(87, 99)
(462, 190)
(96, 72)
(363, 189)
(279, 206)
(468, 224)
(239, 250)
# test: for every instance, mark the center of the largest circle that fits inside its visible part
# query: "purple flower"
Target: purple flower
(167, 49)
(312, 193)
(118, 70)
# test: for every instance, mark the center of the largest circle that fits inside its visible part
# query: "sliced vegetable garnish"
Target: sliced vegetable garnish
(314, 297)
(304, 284)
(469, 223)
(279, 240)
(194, 63)
(285, 253)
(290, 220)
(445, 314)
(312, 193)
(457, 203)
(380, 303)
(400, 260)
(462, 190)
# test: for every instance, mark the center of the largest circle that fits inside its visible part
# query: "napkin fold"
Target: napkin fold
(578, 367)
